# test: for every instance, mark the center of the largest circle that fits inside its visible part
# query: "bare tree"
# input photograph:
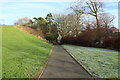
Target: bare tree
(22, 21)
(91, 7)
(68, 24)
(106, 21)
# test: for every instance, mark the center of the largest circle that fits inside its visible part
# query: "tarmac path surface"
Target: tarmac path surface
(62, 65)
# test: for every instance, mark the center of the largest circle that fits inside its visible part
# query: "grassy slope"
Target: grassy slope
(23, 54)
(101, 61)
(0, 52)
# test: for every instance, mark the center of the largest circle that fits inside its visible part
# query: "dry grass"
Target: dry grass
(28, 30)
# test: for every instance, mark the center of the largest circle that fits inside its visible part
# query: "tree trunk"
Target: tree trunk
(98, 31)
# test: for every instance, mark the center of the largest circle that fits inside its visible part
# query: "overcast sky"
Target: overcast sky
(11, 10)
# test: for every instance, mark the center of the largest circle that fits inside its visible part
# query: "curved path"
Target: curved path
(62, 65)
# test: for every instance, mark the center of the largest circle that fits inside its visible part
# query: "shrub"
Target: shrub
(52, 37)
(116, 44)
(89, 38)
(108, 42)
(86, 38)
(112, 43)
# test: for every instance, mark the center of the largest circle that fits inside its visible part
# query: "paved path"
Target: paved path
(61, 65)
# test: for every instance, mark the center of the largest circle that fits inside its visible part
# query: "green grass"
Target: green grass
(0, 52)
(101, 61)
(23, 54)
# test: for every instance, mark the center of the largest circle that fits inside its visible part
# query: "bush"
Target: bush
(89, 38)
(116, 44)
(86, 38)
(108, 43)
(52, 37)
(112, 43)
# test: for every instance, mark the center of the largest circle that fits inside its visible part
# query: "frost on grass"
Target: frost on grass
(103, 62)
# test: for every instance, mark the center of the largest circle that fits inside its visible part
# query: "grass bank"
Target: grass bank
(23, 54)
(0, 52)
(103, 62)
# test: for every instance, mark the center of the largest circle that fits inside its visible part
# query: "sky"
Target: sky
(11, 10)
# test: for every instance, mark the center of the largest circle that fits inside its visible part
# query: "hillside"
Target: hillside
(37, 33)
(0, 52)
(23, 54)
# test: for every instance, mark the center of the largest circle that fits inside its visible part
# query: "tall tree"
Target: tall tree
(68, 24)
(42, 25)
(49, 21)
(91, 7)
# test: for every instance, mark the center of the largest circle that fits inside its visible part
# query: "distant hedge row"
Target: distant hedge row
(89, 39)
(112, 43)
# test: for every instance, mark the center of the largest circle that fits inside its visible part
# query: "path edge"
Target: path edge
(81, 64)
(40, 72)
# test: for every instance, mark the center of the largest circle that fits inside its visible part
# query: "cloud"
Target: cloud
(15, 10)
(110, 0)
(31, 7)
(37, 0)
(52, 0)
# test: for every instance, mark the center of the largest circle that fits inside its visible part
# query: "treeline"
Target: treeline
(86, 25)
(45, 25)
